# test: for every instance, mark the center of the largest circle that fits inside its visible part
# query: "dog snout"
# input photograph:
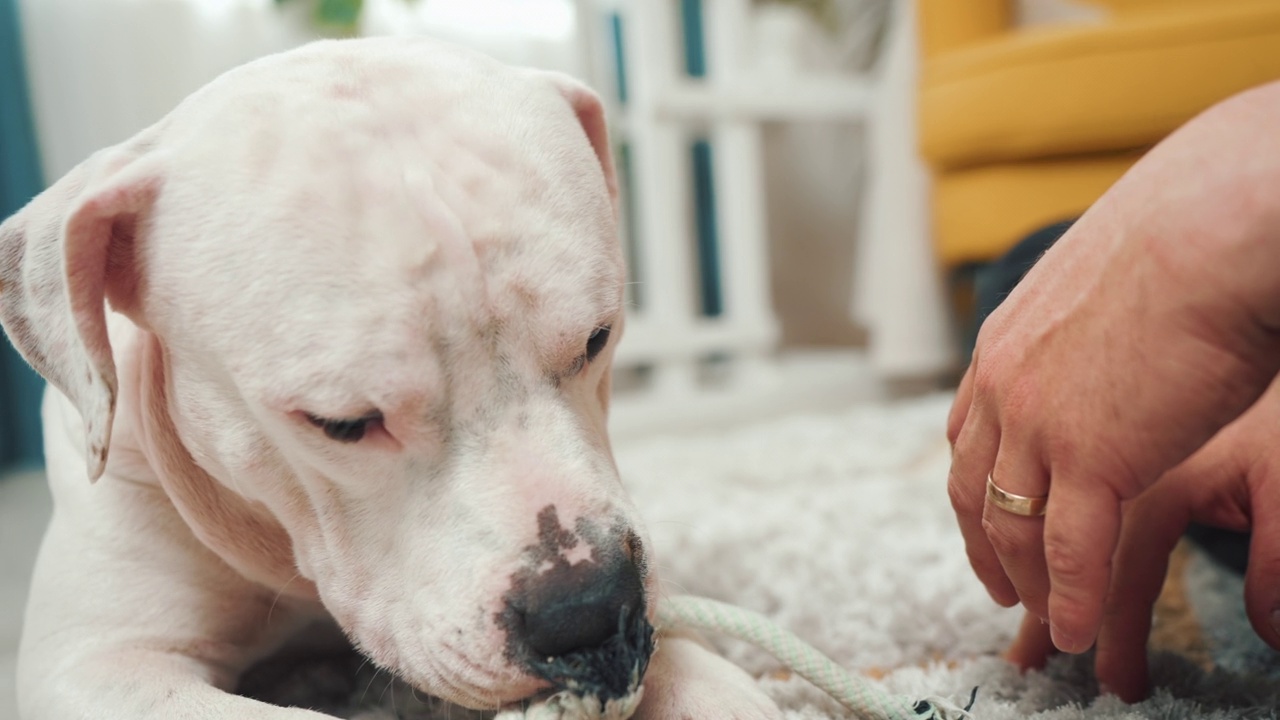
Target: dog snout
(584, 628)
(584, 613)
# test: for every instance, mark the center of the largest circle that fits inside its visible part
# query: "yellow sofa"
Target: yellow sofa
(1023, 127)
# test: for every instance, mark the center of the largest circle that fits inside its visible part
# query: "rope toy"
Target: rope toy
(856, 693)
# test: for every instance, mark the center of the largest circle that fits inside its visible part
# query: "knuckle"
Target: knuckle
(1066, 565)
(1076, 605)
(1021, 402)
(1116, 605)
(1119, 609)
(954, 423)
(963, 498)
(1007, 543)
(986, 381)
(982, 565)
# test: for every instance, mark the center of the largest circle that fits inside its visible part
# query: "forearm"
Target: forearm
(1206, 202)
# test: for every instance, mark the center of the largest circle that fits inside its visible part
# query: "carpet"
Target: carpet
(838, 527)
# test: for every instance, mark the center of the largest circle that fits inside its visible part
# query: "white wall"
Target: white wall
(101, 70)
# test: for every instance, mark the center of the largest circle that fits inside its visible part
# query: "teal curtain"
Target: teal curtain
(20, 180)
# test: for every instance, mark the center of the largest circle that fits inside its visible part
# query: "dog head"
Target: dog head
(381, 285)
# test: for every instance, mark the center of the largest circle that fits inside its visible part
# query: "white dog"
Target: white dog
(344, 320)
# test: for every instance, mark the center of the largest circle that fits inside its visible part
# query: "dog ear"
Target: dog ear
(590, 111)
(56, 256)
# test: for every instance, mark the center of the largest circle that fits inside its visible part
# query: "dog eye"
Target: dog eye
(346, 431)
(597, 341)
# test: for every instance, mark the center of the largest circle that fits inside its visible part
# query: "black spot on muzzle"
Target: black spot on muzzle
(582, 627)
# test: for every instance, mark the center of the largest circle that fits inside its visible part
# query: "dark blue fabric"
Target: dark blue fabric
(20, 180)
(993, 281)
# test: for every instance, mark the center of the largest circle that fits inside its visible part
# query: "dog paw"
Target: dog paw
(687, 681)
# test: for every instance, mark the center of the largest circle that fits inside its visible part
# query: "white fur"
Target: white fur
(378, 224)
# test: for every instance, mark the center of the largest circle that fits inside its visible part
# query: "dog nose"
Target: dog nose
(565, 618)
(583, 627)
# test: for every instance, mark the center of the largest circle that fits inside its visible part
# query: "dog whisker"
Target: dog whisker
(667, 590)
(669, 585)
(391, 686)
(367, 660)
(678, 523)
(368, 685)
(280, 594)
(438, 678)
(383, 694)
(461, 658)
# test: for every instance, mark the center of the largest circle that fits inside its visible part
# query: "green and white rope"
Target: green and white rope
(855, 693)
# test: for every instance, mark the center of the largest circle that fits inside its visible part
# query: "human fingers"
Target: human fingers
(960, 407)
(1032, 646)
(1151, 527)
(1207, 488)
(1262, 577)
(1236, 486)
(1014, 527)
(1081, 528)
(972, 458)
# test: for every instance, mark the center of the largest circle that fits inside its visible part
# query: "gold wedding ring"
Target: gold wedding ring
(1016, 504)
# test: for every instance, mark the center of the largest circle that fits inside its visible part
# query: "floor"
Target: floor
(24, 511)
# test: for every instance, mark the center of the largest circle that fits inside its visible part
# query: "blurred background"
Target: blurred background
(820, 196)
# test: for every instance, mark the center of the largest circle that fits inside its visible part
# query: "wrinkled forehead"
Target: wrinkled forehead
(351, 199)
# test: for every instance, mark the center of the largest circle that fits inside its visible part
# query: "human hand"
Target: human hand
(1151, 324)
(1233, 482)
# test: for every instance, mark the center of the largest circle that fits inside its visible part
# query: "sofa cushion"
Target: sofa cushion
(980, 213)
(1043, 92)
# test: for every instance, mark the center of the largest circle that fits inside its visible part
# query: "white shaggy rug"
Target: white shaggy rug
(838, 527)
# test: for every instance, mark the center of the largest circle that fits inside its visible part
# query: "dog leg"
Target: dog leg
(687, 681)
(130, 618)
(140, 685)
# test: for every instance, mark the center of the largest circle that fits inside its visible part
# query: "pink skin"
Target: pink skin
(1232, 482)
(1152, 324)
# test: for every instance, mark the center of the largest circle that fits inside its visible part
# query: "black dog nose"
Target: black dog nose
(581, 626)
(572, 612)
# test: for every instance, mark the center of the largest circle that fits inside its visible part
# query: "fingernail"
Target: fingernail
(1002, 597)
(1061, 640)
